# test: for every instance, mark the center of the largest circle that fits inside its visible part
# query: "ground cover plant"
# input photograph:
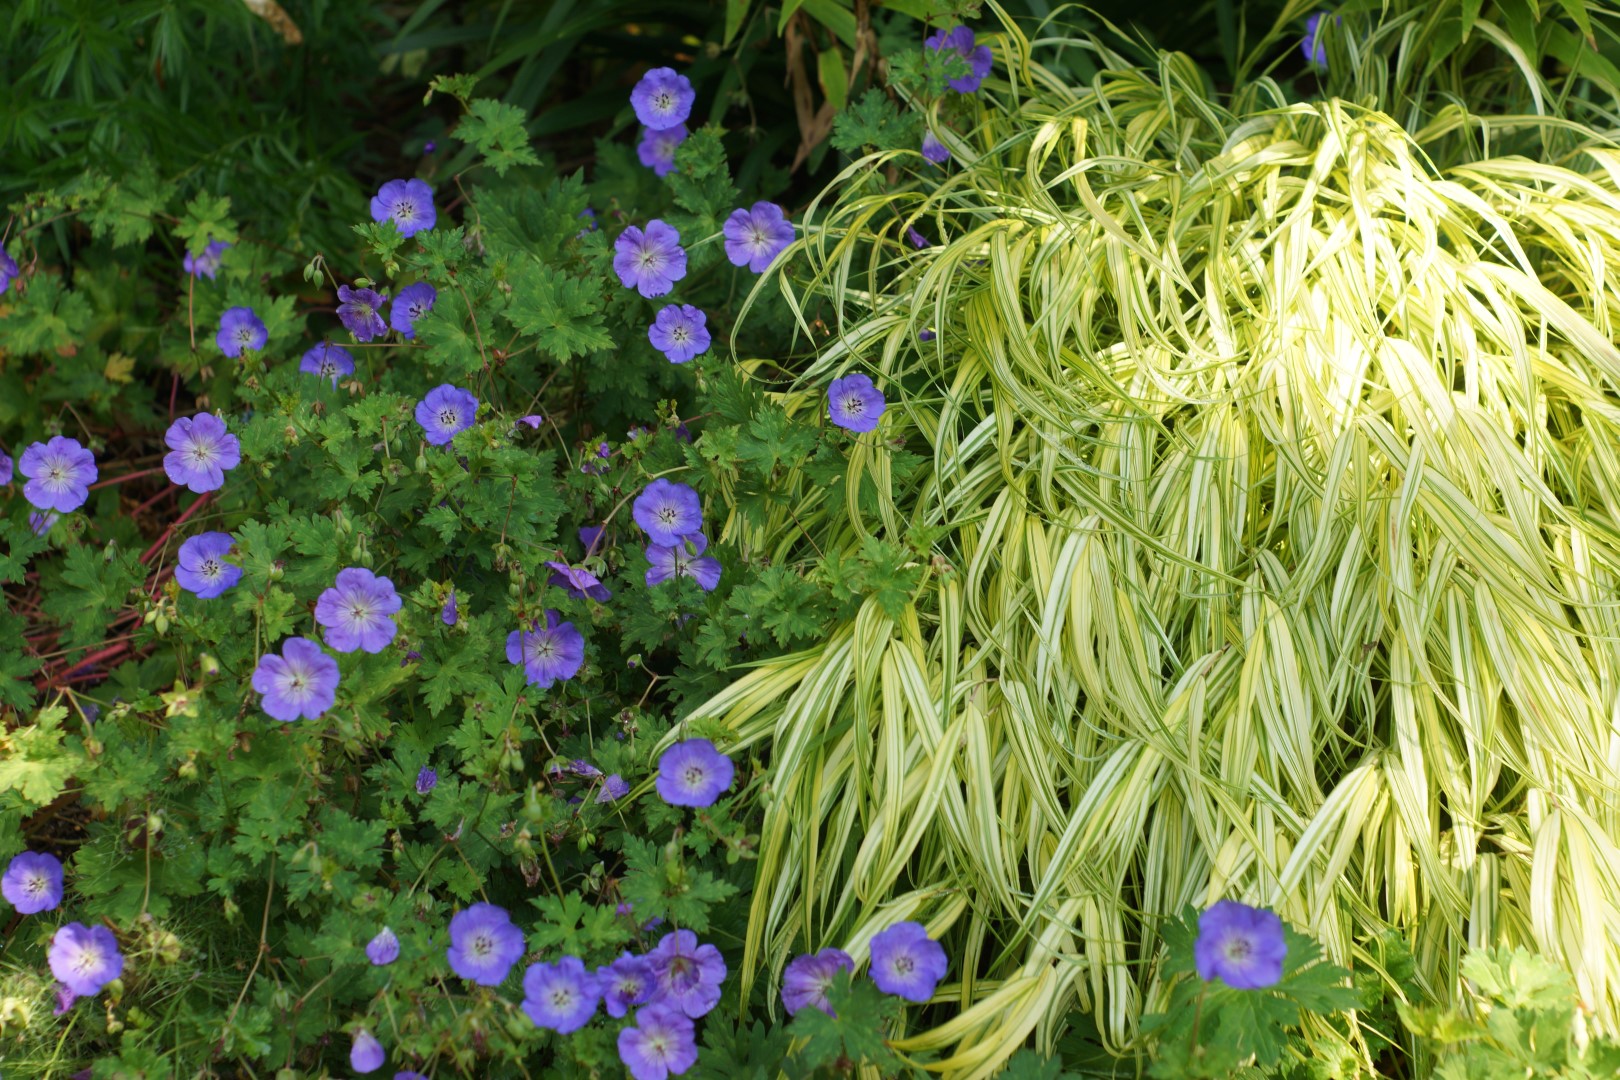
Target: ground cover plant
(1114, 576)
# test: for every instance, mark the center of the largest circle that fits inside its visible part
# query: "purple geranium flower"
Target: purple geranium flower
(5, 467)
(413, 302)
(206, 263)
(625, 983)
(560, 996)
(650, 262)
(657, 148)
(926, 335)
(408, 202)
(383, 949)
(807, 977)
(85, 958)
(547, 655)
(578, 581)
(855, 403)
(906, 962)
(668, 512)
(534, 420)
(357, 610)
(918, 240)
(33, 882)
(484, 944)
(59, 473)
(756, 236)
(934, 150)
(426, 780)
(449, 613)
(662, 1043)
(361, 311)
(1240, 945)
(680, 332)
(693, 773)
(64, 1000)
(962, 42)
(590, 536)
(614, 787)
(663, 99)
(367, 1054)
(240, 329)
(200, 453)
(683, 559)
(687, 975)
(446, 411)
(41, 523)
(328, 361)
(8, 270)
(1312, 45)
(301, 682)
(200, 567)
(581, 767)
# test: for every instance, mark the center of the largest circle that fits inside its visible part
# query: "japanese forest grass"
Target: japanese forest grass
(1267, 547)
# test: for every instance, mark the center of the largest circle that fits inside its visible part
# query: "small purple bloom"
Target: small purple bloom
(484, 944)
(427, 148)
(807, 977)
(590, 536)
(8, 270)
(446, 411)
(560, 996)
(409, 203)
(906, 962)
(934, 150)
(32, 882)
(687, 975)
(426, 780)
(650, 262)
(328, 361)
(1241, 945)
(200, 453)
(578, 581)
(357, 611)
(603, 450)
(85, 958)
(64, 1000)
(662, 1043)
(240, 329)
(683, 559)
(625, 983)
(383, 949)
(200, 567)
(756, 236)
(657, 148)
(926, 335)
(59, 473)
(1312, 46)
(534, 421)
(301, 682)
(918, 240)
(855, 403)
(613, 789)
(448, 614)
(413, 302)
(41, 523)
(962, 42)
(367, 1054)
(5, 467)
(680, 332)
(693, 773)
(590, 222)
(581, 767)
(668, 512)
(206, 263)
(361, 311)
(663, 99)
(547, 655)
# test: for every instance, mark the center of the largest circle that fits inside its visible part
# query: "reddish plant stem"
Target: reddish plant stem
(149, 503)
(137, 474)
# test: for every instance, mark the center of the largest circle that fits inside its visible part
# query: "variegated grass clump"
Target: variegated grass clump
(1279, 481)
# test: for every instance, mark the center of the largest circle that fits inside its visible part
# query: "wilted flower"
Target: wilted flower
(578, 581)
(8, 270)
(683, 559)
(426, 780)
(449, 614)
(1241, 945)
(613, 787)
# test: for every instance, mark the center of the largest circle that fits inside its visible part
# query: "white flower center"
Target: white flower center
(448, 417)
(405, 210)
(210, 568)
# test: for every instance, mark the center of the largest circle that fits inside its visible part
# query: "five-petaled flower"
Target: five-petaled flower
(328, 361)
(657, 148)
(680, 332)
(668, 512)
(687, 975)
(201, 452)
(33, 882)
(59, 473)
(1241, 945)
(446, 411)
(756, 236)
(408, 203)
(662, 99)
(85, 958)
(301, 682)
(662, 1043)
(560, 996)
(200, 566)
(240, 329)
(357, 611)
(855, 403)
(413, 302)
(650, 261)
(547, 654)
(906, 962)
(206, 262)
(361, 311)
(805, 982)
(693, 773)
(625, 983)
(484, 944)
(962, 42)
(683, 559)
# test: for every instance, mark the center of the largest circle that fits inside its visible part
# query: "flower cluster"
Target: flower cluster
(663, 101)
